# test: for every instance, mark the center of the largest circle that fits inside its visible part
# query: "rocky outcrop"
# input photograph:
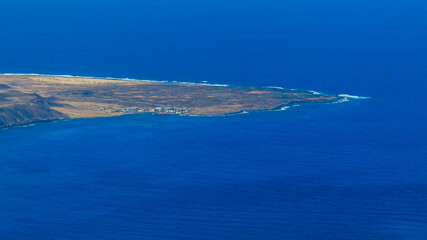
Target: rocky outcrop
(37, 109)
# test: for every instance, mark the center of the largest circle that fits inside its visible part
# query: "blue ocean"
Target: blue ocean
(355, 170)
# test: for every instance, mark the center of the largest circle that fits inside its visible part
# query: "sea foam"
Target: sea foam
(344, 97)
(114, 78)
(348, 97)
(314, 92)
(275, 87)
(352, 96)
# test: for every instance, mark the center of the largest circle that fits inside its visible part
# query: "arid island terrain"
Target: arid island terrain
(28, 99)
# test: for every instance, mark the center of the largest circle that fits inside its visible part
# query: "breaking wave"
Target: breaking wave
(113, 78)
(275, 87)
(348, 97)
(352, 96)
(314, 92)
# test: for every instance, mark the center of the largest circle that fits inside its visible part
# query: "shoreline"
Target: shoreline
(114, 78)
(280, 108)
(44, 97)
(178, 82)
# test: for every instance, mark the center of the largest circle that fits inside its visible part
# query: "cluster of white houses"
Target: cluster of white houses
(172, 110)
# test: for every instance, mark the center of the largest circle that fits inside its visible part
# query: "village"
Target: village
(159, 110)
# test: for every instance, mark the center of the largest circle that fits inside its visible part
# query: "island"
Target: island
(29, 99)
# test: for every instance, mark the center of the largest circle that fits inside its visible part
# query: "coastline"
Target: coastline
(49, 96)
(173, 82)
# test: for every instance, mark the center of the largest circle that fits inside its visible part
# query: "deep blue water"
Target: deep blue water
(355, 170)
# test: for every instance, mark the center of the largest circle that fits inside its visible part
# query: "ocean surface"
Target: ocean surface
(355, 170)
